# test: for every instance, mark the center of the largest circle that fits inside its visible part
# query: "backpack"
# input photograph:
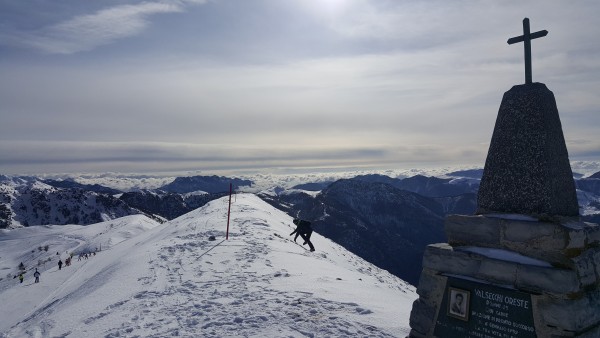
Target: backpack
(301, 222)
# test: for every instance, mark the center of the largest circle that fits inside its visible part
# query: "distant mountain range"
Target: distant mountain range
(384, 225)
(390, 221)
(27, 201)
(387, 221)
(373, 218)
(426, 186)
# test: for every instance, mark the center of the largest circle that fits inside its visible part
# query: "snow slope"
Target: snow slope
(170, 280)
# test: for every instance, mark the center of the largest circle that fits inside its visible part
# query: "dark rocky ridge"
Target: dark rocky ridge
(315, 186)
(71, 184)
(423, 185)
(210, 184)
(166, 204)
(382, 224)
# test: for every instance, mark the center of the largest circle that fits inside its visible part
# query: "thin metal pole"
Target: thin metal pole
(228, 211)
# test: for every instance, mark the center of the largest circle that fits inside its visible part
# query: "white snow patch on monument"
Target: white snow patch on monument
(504, 255)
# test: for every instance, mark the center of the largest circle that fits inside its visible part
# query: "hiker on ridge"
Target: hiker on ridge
(304, 230)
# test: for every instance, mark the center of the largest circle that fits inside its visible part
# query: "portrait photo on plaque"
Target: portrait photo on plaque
(458, 303)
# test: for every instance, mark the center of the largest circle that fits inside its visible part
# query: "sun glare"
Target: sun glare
(332, 3)
(329, 7)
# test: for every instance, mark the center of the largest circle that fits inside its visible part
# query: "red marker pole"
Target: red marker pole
(228, 211)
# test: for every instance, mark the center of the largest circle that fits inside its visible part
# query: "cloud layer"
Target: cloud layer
(153, 85)
(88, 31)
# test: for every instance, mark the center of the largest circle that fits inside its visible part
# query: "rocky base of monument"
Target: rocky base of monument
(510, 276)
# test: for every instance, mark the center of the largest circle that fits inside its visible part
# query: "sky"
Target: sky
(266, 85)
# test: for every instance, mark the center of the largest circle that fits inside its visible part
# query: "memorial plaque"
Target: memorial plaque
(475, 310)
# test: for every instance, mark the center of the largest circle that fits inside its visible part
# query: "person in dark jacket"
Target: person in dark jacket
(304, 230)
(60, 263)
(36, 274)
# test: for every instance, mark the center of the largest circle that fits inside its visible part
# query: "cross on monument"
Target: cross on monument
(526, 38)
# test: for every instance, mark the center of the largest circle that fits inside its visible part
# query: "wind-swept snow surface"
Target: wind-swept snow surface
(172, 281)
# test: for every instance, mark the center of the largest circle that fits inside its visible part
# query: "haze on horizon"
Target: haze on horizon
(176, 85)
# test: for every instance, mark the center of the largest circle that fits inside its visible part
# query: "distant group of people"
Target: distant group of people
(86, 255)
(304, 230)
(36, 274)
(66, 263)
(69, 259)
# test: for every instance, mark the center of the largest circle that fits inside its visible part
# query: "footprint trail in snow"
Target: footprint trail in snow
(259, 283)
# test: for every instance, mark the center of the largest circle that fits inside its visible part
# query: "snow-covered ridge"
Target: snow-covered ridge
(171, 280)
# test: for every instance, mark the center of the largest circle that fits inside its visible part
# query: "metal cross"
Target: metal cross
(526, 38)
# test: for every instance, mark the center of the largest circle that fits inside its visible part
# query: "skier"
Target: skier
(304, 230)
(36, 274)
(21, 277)
(60, 263)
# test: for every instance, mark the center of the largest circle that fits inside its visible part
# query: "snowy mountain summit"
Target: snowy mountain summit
(172, 280)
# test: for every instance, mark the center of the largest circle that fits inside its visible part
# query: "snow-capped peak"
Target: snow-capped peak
(173, 280)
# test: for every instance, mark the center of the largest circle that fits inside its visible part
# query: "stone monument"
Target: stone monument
(524, 265)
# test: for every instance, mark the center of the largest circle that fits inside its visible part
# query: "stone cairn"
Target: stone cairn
(524, 265)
